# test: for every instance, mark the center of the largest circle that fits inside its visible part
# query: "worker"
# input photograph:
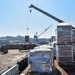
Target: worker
(19, 48)
(59, 68)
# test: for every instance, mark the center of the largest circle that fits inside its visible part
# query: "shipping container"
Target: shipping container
(27, 38)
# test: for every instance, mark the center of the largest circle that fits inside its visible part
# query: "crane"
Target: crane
(36, 34)
(49, 15)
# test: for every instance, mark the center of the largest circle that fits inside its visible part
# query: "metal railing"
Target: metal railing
(12, 71)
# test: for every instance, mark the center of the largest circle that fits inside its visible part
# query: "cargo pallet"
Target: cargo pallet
(26, 72)
(67, 63)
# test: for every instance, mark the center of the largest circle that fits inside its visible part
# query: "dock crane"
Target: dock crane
(36, 34)
(49, 15)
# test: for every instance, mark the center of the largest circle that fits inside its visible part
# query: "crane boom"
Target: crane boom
(36, 34)
(44, 31)
(51, 16)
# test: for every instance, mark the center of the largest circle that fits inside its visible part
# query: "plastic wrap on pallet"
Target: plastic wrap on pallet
(65, 59)
(73, 35)
(73, 51)
(73, 46)
(64, 52)
(73, 56)
(39, 54)
(43, 46)
(63, 33)
(41, 60)
(41, 66)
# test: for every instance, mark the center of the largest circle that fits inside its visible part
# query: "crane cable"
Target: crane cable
(28, 23)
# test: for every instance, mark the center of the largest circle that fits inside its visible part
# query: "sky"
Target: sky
(15, 16)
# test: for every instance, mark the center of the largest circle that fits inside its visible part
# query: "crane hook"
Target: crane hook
(30, 11)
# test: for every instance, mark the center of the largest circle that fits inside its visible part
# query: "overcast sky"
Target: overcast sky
(15, 17)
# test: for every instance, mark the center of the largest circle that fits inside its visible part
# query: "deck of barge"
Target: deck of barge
(10, 59)
(67, 70)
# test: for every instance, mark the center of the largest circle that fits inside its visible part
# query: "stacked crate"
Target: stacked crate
(73, 35)
(65, 53)
(73, 40)
(64, 33)
(64, 47)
